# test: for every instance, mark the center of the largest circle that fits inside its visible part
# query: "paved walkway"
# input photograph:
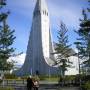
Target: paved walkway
(44, 85)
(69, 88)
(53, 88)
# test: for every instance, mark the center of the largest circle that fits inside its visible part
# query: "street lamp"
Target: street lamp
(77, 46)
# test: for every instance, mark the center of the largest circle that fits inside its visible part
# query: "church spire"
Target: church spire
(38, 55)
(40, 6)
(37, 7)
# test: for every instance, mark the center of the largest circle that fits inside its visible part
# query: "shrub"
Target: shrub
(87, 85)
(1, 81)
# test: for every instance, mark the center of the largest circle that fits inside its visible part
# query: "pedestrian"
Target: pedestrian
(29, 83)
(36, 84)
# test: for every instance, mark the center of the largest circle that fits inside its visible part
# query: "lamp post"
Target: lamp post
(77, 46)
(78, 62)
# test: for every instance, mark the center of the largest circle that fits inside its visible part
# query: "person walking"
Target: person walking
(36, 84)
(29, 83)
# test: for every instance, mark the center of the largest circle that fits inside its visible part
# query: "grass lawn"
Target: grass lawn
(47, 78)
(52, 79)
(6, 88)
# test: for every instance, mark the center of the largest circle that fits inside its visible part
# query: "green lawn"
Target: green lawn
(6, 88)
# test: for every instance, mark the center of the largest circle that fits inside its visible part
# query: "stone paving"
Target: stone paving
(53, 88)
(44, 85)
(69, 88)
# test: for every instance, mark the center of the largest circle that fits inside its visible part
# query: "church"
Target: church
(39, 56)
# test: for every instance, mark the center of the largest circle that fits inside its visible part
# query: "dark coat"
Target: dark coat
(29, 82)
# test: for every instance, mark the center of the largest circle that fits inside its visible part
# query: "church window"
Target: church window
(43, 12)
(36, 13)
(47, 14)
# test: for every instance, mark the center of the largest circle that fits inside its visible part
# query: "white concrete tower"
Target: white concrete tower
(39, 58)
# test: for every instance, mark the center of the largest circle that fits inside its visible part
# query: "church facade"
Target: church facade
(39, 56)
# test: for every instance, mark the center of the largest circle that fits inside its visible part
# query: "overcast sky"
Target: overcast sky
(20, 19)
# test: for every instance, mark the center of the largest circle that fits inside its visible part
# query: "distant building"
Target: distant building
(74, 69)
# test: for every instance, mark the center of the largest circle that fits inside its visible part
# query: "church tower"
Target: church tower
(39, 58)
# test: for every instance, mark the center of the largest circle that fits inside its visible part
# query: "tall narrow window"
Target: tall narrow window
(47, 13)
(43, 12)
